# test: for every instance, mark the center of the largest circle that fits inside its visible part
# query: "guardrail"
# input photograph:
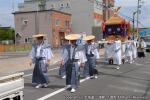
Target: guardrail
(15, 47)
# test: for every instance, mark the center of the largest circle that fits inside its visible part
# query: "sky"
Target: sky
(6, 9)
(128, 7)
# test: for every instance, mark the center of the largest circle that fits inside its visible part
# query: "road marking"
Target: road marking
(138, 64)
(57, 91)
(48, 70)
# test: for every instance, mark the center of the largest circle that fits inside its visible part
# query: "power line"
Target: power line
(131, 19)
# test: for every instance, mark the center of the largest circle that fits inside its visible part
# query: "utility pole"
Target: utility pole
(138, 12)
(133, 23)
(137, 28)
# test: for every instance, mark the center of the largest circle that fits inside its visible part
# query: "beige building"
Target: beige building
(107, 11)
(54, 24)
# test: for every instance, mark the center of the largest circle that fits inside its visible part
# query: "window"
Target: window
(25, 22)
(97, 22)
(28, 40)
(62, 5)
(52, 6)
(67, 23)
(68, 5)
(58, 22)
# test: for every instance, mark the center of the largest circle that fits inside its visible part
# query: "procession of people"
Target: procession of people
(117, 52)
(76, 54)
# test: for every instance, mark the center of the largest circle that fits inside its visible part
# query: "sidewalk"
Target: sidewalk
(11, 64)
(15, 64)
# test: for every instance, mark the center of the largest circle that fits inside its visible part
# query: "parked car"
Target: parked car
(147, 41)
(11, 87)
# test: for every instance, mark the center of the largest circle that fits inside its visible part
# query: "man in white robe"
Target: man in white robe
(129, 50)
(41, 55)
(134, 50)
(117, 53)
(75, 56)
(123, 47)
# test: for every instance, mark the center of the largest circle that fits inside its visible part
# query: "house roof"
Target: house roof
(115, 19)
(50, 10)
(7, 27)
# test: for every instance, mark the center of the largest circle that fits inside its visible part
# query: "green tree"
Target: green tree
(7, 34)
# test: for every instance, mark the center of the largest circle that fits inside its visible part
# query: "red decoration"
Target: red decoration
(103, 26)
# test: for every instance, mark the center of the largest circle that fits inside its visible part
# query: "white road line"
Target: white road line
(48, 70)
(57, 91)
(27, 75)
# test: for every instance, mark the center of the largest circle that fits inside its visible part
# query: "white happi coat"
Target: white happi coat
(46, 52)
(123, 48)
(117, 52)
(134, 50)
(108, 51)
(95, 50)
(80, 54)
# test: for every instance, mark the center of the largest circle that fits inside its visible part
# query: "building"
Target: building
(107, 11)
(87, 15)
(55, 24)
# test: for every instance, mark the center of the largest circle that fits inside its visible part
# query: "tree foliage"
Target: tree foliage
(7, 34)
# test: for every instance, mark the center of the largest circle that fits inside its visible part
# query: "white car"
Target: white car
(147, 41)
(11, 87)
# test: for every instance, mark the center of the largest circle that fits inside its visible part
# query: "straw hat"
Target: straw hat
(72, 36)
(38, 35)
(90, 37)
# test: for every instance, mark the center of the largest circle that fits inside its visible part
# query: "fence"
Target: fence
(13, 48)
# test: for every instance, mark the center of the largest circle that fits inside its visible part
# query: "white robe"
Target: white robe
(109, 51)
(123, 49)
(129, 49)
(117, 55)
(134, 50)
(80, 54)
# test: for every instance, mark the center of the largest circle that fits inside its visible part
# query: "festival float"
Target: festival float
(116, 26)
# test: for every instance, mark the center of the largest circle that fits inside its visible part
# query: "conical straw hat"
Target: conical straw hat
(38, 35)
(90, 37)
(72, 36)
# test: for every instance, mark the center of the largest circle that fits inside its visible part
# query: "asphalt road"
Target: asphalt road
(130, 82)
